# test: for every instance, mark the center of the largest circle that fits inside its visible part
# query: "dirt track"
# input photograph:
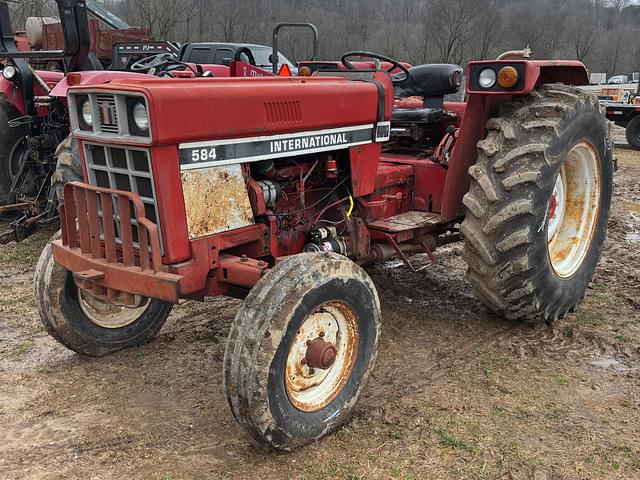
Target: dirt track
(457, 393)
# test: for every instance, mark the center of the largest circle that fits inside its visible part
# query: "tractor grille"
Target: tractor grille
(128, 169)
(108, 113)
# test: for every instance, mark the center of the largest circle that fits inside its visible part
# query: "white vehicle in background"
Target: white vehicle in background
(618, 80)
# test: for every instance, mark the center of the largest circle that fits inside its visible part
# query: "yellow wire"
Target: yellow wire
(351, 205)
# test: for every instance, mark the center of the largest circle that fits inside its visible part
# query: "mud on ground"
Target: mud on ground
(457, 392)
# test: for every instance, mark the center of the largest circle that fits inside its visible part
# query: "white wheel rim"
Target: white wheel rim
(312, 389)
(106, 314)
(573, 210)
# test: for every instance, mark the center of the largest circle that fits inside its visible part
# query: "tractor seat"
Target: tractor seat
(432, 82)
(429, 81)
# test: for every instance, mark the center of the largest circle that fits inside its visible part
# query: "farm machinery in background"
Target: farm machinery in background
(626, 114)
(277, 190)
(36, 154)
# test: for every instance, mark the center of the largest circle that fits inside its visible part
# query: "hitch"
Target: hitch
(24, 226)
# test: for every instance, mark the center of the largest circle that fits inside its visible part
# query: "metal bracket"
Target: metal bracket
(401, 254)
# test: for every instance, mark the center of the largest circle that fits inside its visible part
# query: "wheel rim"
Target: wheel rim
(573, 210)
(107, 314)
(322, 356)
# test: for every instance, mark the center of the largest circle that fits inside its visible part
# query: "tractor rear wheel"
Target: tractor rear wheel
(68, 167)
(633, 132)
(538, 204)
(87, 324)
(12, 148)
(301, 349)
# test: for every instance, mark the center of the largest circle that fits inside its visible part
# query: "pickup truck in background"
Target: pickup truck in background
(222, 53)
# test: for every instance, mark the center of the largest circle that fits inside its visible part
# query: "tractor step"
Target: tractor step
(407, 221)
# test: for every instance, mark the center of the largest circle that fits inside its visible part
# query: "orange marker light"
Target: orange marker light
(74, 79)
(507, 77)
(285, 71)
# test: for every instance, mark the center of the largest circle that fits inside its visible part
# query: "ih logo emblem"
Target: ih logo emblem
(108, 113)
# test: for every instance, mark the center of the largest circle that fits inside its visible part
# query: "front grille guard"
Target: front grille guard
(89, 224)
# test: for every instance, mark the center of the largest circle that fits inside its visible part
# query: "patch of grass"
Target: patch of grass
(590, 317)
(27, 252)
(447, 440)
(621, 337)
(561, 379)
(487, 365)
(553, 411)
(7, 301)
(333, 469)
(500, 412)
(25, 346)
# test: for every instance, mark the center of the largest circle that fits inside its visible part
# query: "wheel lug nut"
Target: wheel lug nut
(303, 361)
(321, 334)
(312, 371)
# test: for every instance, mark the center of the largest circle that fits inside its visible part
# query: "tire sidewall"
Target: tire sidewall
(585, 125)
(289, 421)
(60, 311)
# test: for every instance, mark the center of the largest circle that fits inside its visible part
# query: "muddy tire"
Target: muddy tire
(9, 138)
(68, 167)
(276, 383)
(633, 132)
(538, 204)
(85, 324)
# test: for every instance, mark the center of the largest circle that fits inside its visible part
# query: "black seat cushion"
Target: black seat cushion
(433, 80)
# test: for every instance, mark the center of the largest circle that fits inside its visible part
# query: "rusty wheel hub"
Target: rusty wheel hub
(573, 210)
(321, 356)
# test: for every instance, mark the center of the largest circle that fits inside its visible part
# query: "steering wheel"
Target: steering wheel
(376, 56)
(152, 62)
(247, 53)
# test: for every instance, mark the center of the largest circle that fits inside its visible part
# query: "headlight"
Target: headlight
(87, 115)
(487, 78)
(9, 72)
(140, 116)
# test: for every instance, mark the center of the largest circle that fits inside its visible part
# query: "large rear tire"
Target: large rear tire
(538, 204)
(86, 324)
(301, 349)
(68, 167)
(9, 139)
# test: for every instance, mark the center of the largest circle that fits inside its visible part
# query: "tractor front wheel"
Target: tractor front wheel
(301, 349)
(538, 204)
(88, 324)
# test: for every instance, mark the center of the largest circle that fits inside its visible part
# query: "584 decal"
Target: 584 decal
(203, 154)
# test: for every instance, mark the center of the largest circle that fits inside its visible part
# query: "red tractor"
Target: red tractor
(279, 190)
(37, 156)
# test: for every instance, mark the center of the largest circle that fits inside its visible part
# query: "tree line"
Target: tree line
(604, 34)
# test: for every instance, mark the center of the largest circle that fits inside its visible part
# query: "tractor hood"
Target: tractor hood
(218, 108)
